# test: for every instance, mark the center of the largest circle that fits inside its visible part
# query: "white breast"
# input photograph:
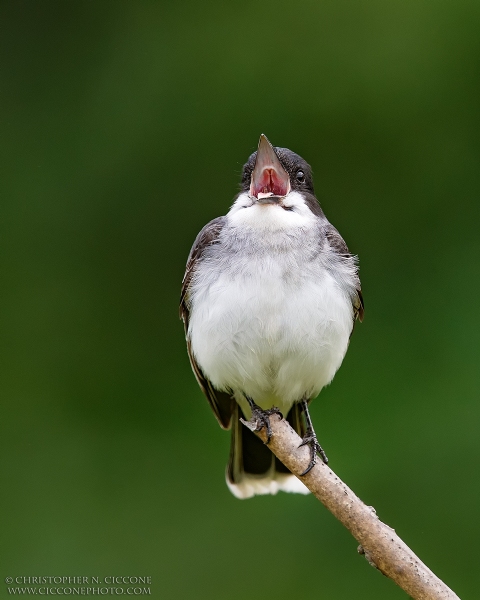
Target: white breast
(266, 320)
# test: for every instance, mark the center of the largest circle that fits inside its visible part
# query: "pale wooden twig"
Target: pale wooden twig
(378, 542)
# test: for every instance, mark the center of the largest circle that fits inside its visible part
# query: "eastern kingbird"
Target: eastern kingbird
(269, 301)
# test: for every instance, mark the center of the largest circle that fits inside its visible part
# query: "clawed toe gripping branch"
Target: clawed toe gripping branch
(261, 418)
(380, 544)
(310, 440)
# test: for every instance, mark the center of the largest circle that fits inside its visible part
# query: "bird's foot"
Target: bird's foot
(261, 418)
(310, 439)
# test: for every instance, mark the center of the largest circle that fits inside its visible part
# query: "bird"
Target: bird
(269, 300)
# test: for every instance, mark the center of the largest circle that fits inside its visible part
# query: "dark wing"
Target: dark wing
(222, 403)
(339, 246)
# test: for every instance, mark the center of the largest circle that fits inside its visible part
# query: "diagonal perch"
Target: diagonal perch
(378, 542)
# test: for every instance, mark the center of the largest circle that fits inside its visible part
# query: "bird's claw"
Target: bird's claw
(310, 439)
(262, 419)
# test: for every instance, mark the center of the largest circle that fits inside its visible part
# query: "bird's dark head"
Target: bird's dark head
(272, 173)
(276, 170)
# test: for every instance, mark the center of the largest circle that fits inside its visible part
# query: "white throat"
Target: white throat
(245, 211)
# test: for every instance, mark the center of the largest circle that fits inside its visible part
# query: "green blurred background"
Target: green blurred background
(124, 127)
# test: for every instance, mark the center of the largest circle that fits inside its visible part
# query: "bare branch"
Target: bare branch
(378, 542)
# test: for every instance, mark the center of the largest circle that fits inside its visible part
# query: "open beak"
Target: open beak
(269, 178)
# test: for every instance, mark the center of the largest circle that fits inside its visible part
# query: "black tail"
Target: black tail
(252, 468)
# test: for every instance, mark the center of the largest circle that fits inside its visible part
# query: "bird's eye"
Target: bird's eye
(300, 176)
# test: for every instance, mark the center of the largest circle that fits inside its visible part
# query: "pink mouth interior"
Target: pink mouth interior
(269, 184)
